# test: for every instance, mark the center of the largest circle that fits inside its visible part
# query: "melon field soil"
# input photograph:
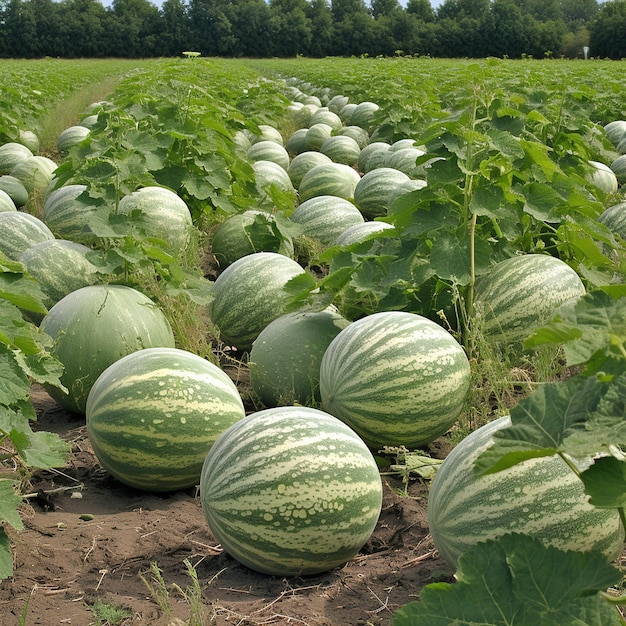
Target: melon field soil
(77, 551)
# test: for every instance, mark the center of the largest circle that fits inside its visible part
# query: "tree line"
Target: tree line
(313, 28)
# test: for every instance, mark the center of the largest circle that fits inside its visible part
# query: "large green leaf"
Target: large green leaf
(516, 581)
(9, 501)
(6, 556)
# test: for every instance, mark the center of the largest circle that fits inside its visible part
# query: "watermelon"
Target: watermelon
(614, 218)
(246, 233)
(521, 293)
(325, 217)
(268, 173)
(296, 142)
(331, 179)
(404, 161)
(95, 326)
(323, 115)
(619, 168)
(29, 139)
(359, 232)
(12, 153)
(341, 149)
(20, 231)
(6, 202)
(603, 177)
(15, 189)
(396, 378)
(373, 156)
(285, 358)
(346, 112)
(269, 151)
(364, 115)
(35, 173)
(360, 135)
(615, 131)
(249, 294)
(373, 191)
(68, 210)
(60, 267)
(89, 121)
(290, 491)
(316, 135)
(153, 415)
(267, 133)
(302, 115)
(303, 162)
(168, 216)
(71, 137)
(336, 103)
(541, 497)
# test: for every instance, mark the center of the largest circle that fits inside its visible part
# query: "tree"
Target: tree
(607, 32)
(250, 20)
(175, 33)
(421, 9)
(384, 7)
(577, 13)
(290, 27)
(321, 22)
(458, 9)
(133, 28)
(505, 32)
(211, 30)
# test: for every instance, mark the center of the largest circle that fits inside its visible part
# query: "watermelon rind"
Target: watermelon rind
(20, 231)
(291, 491)
(331, 179)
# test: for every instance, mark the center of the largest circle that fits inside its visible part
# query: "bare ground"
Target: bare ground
(76, 551)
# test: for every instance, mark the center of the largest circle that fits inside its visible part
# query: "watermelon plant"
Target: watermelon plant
(291, 491)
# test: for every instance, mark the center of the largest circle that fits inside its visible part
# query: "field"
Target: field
(498, 163)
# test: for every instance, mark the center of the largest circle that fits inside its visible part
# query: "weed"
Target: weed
(110, 614)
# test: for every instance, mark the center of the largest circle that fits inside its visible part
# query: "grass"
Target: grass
(110, 614)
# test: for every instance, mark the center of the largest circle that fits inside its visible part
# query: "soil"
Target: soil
(95, 542)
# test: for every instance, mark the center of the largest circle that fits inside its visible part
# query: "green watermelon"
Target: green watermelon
(324, 115)
(290, 491)
(374, 190)
(360, 135)
(336, 103)
(168, 215)
(153, 415)
(325, 217)
(316, 136)
(615, 131)
(346, 112)
(269, 151)
(35, 173)
(303, 162)
(95, 326)
(614, 218)
(359, 232)
(603, 177)
(521, 293)
(20, 231)
(246, 233)
(341, 149)
(285, 358)
(6, 202)
(619, 168)
(249, 294)
(71, 137)
(404, 160)
(364, 115)
(296, 142)
(541, 497)
(267, 133)
(68, 210)
(30, 139)
(15, 189)
(331, 179)
(373, 156)
(396, 378)
(12, 153)
(268, 173)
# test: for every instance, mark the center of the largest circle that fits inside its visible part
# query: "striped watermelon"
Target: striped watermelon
(615, 131)
(373, 192)
(331, 179)
(303, 162)
(20, 231)
(364, 115)
(153, 415)
(521, 293)
(360, 135)
(68, 210)
(404, 160)
(296, 142)
(12, 153)
(359, 232)
(337, 102)
(285, 358)
(95, 326)
(269, 151)
(291, 491)
(267, 133)
(614, 218)
(246, 233)
(249, 294)
(603, 177)
(6, 202)
(619, 168)
(71, 137)
(541, 497)
(29, 139)
(396, 378)
(15, 189)
(60, 267)
(346, 112)
(316, 135)
(373, 156)
(268, 173)
(325, 217)
(341, 149)
(168, 215)
(35, 173)
(323, 115)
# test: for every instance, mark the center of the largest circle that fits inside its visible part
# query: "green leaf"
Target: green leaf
(14, 384)
(6, 556)
(605, 482)
(22, 291)
(516, 581)
(9, 501)
(542, 202)
(45, 450)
